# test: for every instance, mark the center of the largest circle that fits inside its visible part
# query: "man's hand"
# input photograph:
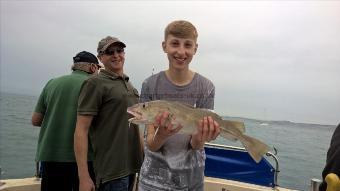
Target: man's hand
(207, 130)
(86, 184)
(37, 119)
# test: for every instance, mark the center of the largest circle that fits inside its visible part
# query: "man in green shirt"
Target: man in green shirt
(102, 115)
(56, 113)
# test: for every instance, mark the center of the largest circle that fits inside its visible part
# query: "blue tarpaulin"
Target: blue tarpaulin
(239, 166)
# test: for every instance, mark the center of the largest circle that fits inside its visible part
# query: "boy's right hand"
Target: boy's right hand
(160, 130)
(163, 122)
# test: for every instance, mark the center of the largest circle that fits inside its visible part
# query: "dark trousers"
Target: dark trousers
(61, 176)
(120, 184)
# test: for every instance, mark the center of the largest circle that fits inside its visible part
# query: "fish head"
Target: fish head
(144, 113)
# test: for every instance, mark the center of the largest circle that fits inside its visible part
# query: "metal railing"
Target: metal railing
(1, 183)
(314, 184)
(38, 170)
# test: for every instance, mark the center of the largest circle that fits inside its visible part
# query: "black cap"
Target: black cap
(85, 57)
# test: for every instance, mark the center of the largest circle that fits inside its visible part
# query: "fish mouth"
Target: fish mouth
(135, 114)
(137, 117)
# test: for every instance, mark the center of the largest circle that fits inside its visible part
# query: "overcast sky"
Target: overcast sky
(273, 60)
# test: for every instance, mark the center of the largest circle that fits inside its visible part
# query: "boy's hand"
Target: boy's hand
(207, 130)
(160, 130)
(163, 125)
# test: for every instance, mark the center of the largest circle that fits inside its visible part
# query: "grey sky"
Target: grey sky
(274, 60)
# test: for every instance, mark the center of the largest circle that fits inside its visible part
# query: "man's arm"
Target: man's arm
(37, 119)
(81, 149)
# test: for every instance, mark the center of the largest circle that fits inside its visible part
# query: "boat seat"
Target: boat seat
(333, 182)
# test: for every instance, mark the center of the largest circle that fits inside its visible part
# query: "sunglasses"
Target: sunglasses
(112, 51)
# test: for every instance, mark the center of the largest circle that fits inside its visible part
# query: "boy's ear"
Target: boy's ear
(163, 45)
(196, 48)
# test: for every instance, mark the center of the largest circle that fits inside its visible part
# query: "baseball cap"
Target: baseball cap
(106, 42)
(85, 56)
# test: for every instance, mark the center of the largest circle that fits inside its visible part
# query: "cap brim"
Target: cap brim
(120, 43)
(110, 44)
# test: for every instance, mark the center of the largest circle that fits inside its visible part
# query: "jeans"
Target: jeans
(61, 176)
(120, 184)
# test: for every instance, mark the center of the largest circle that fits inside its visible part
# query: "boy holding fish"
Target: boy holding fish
(175, 161)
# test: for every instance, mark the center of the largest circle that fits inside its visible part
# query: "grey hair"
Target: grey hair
(83, 66)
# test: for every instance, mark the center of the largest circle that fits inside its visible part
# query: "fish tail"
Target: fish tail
(255, 147)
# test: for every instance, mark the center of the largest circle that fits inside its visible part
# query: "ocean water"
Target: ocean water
(301, 147)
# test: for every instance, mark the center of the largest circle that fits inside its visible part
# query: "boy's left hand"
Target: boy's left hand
(207, 130)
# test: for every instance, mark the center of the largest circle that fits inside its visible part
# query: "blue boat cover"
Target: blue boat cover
(239, 166)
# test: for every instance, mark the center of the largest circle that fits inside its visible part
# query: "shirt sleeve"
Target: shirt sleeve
(42, 101)
(90, 98)
(145, 94)
(208, 98)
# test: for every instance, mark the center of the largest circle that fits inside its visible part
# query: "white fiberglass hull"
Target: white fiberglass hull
(211, 184)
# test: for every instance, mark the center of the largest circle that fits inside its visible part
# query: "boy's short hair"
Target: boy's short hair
(181, 29)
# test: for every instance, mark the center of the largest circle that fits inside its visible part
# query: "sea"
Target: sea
(302, 148)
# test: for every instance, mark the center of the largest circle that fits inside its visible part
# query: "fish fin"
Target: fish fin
(182, 104)
(255, 147)
(236, 124)
(228, 136)
(153, 138)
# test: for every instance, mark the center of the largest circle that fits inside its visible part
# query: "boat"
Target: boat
(228, 168)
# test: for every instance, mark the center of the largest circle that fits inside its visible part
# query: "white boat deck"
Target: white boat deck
(211, 184)
(24, 184)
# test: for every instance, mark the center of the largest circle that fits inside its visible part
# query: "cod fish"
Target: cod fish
(188, 116)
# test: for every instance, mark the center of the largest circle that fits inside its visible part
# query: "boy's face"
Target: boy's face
(180, 51)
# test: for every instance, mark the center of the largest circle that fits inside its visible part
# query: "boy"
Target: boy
(176, 161)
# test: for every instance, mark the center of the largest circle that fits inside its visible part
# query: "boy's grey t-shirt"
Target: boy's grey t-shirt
(175, 166)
